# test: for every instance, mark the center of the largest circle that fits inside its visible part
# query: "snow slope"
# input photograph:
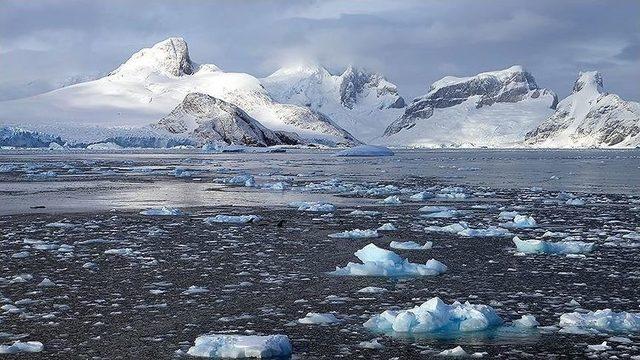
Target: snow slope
(362, 102)
(146, 88)
(493, 109)
(589, 117)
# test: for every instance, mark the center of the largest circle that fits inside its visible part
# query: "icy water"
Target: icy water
(120, 276)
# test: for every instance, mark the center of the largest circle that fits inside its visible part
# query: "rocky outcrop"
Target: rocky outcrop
(590, 117)
(169, 57)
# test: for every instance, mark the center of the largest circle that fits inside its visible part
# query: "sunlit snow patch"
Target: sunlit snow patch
(381, 262)
(600, 320)
(239, 346)
(232, 219)
(163, 211)
(365, 150)
(436, 316)
(547, 247)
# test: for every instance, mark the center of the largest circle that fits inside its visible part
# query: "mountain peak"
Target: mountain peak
(588, 80)
(168, 57)
(302, 68)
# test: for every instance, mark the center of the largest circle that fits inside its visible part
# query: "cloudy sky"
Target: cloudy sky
(46, 43)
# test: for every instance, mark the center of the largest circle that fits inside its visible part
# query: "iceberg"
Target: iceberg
(436, 316)
(387, 227)
(232, 219)
(318, 318)
(163, 211)
(313, 206)
(391, 200)
(422, 196)
(365, 150)
(526, 321)
(241, 346)
(521, 222)
(21, 347)
(381, 262)
(601, 320)
(547, 247)
(355, 234)
(410, 245)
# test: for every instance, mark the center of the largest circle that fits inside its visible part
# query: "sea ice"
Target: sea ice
(372, 290)
(232, 219)
(601, 320)
(462, 228)
(319, 318)
(21, 347)
(313, 206)
(521, 222)
(373, 344)
(547, 247)
(410, 245)
(387, 227)
(241, 180)
(436, 316)
(382, 262)
(355, 234)
(526, 321)
(365, 150)
(422, 196)
(575, 202)
(457, 351)
(391, 200)
(163, 211)
(433, 209)
(445, 214)
(241, 346)
(599, 347)
(195, 290)
(364, 213)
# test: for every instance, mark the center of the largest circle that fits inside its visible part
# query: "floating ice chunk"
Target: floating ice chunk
(387, 227)
(373, 344)
(355, 234)
(463, 229)
(279, 186)
(232, 219)
(364, 213)
(575, 202)
(599, 347)
(381, 262)
(61, 225)
(21, 255)
(313, 206)
(383, 190)
(318, 318)
(445, 214)
(163, 211)
(457, 351)
(410, 245)
(46, 282)
(452, 228)
(507, 215)
(195, 290)
(433, 209)
(601, 320)
(372, 290)
(241, 180)
(526, 321)
(122, 252)
(239, 346)
(546, 247)
(422, 196)
(21, 347)
(521, 222)
(391, 200)
(365, 150)
(436, 316)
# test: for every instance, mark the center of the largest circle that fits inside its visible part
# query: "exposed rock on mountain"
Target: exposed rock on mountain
(589, 117)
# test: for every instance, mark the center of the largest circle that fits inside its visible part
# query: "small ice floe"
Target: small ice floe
(163, 211)
(453, 192)
(232, 219)
(241, 180)
(391, 200)
(121, 252)
(457, 351)
(526, 321)
(445, 214)
(599, 347)
(383, 190)
(373, 344)
(381, 262)
(547, 247)
(372, 290)
(192, 290)
(600, 320)
(433, 209)
(462, 228)
(279, 186)
(21, 255)
(21, 347)
(575, 202)
(507, 215)
(521, 222)
(365, 150)
(62, 225)
(313, 206)
(422, 196)
(387, 227)
(355, 234)
(319, 318)
(46, 282)
(435, 316)
(241, 346)
(364, 213)
(410, 245)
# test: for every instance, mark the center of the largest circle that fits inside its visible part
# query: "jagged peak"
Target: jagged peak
(168, 57)
(589, 81)
(517, 72)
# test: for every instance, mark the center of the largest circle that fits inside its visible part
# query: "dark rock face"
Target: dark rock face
(506, 86)
(209, 119)
(355, 81)
(288, 137)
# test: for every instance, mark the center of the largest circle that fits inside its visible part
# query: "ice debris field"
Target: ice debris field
(308, 262)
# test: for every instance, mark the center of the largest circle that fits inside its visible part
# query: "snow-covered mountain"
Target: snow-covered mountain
(210, 120)
(146, 88)
(493, 109)
(590, 117)
(362, 102)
